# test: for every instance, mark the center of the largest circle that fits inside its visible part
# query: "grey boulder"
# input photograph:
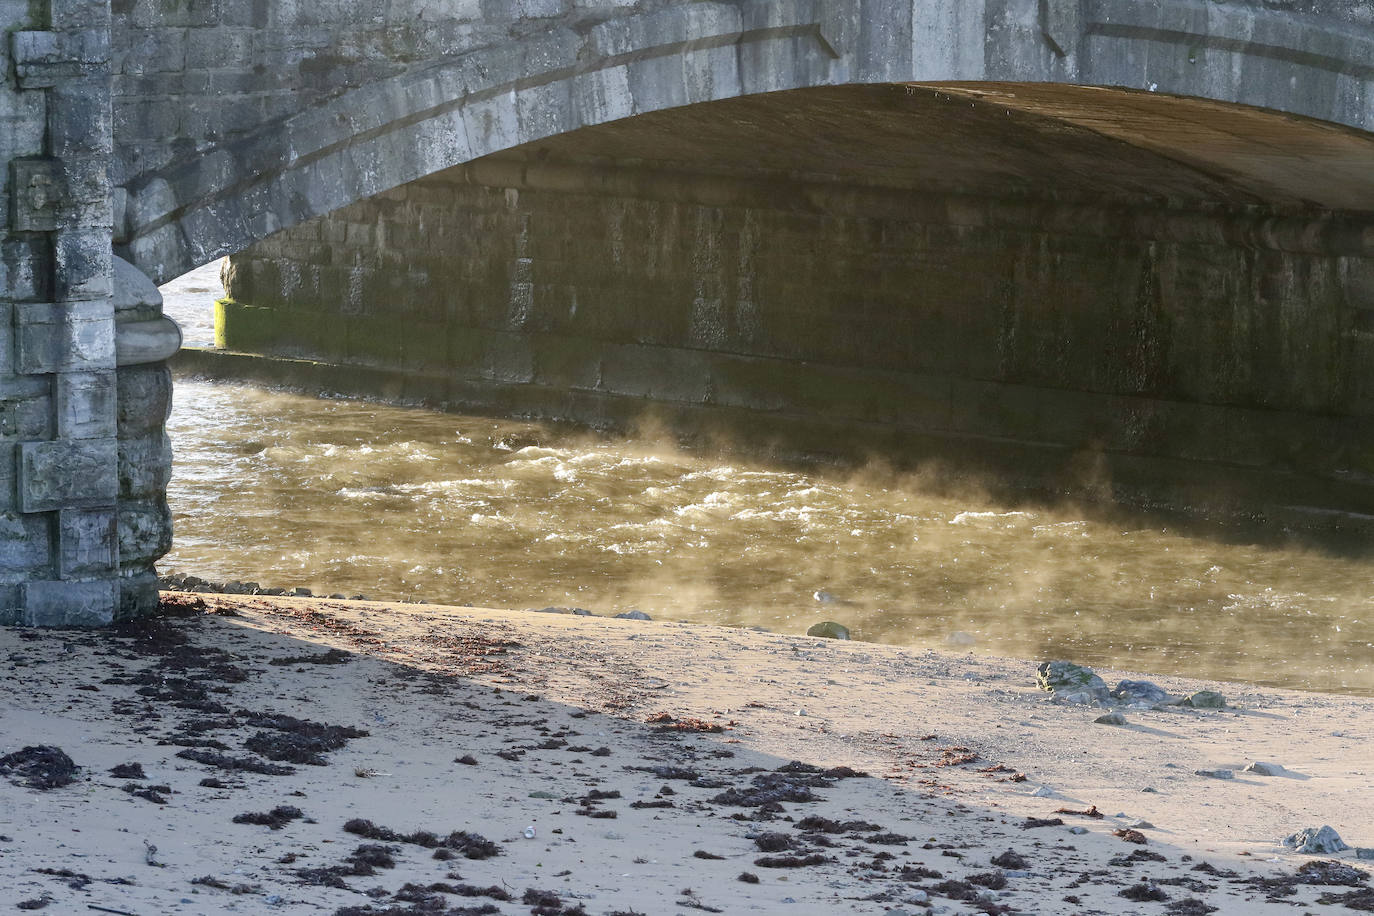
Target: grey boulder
(1321, 841)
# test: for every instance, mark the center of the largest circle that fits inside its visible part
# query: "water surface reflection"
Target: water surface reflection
(344, 496)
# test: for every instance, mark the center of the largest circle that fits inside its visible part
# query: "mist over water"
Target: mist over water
(392, 502)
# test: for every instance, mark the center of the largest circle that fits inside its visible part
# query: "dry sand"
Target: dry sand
(945, 737)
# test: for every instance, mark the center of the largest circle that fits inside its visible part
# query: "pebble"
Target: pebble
(1111, 718)
(1364, 852)
(1042, 792)
(1317, 841)
(1141, 825)
(1078, 831)
(1215, 774)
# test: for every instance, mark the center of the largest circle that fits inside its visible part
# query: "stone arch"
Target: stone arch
(433, 116)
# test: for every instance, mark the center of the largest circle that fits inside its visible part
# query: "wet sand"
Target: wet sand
(320, 756)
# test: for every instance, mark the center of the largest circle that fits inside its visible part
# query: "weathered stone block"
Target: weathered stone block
(141, 342)
(144, 399)
(67, 474)
(508, 10)
(145, 531)
(69, 604)
(45, 59)
(65, 337)
(87, 543)
(11, 613)
(36, 193)
(145, 466)
(28, 261)
(33, 414)
(138, 594)
(85, 405)
(25, 543)
(79, 14)
(84, 264)
(216, 48)
(80, 126)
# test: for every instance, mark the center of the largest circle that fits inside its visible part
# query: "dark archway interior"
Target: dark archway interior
(1076, 142)
(1021, 273)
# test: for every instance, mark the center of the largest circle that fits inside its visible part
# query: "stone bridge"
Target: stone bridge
(1130, 239)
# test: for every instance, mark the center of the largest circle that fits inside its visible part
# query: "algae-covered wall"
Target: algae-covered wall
(841, 318)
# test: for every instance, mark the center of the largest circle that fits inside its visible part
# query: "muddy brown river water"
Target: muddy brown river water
(396, 502)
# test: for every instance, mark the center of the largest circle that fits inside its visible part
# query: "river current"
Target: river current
(400, 503)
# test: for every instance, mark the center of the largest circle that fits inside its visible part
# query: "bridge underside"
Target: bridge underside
(1154, 299)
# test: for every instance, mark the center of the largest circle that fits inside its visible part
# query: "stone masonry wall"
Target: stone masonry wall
(59, 560)
(905, 322)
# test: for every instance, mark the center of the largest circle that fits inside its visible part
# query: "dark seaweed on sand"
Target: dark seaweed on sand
(470, 845)
(39, 766)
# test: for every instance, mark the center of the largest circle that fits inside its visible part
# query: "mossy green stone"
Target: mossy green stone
(1205, 699)
(1065, 676)
(829, 630)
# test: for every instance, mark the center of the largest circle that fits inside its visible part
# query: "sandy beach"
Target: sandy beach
(302, 755)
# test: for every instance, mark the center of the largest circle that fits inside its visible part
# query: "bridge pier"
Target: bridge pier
(83, 461)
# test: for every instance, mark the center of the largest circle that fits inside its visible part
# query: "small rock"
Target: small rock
(1259, 768)
(829, 630)
(1143, 692)
(1364, 852)
(1215, 774)
(1042, 792)
(1321, 842)
(1141, 825)
(1204, 699)
(633, 615)
(1078, 831)
(1111, 718)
